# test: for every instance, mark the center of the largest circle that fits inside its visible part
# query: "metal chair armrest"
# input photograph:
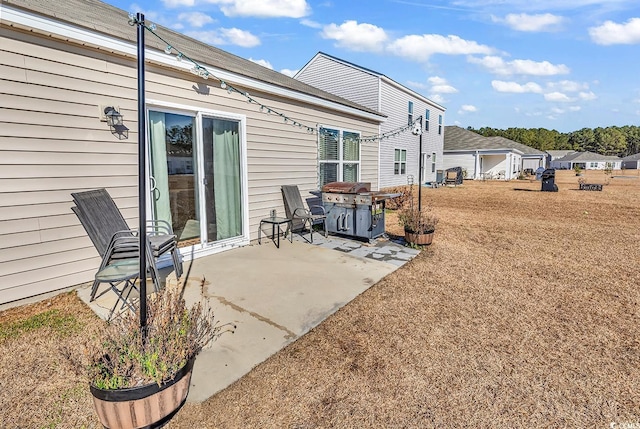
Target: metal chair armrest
(159, 226)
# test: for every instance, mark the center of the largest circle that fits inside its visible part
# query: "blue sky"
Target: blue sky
(555, 64)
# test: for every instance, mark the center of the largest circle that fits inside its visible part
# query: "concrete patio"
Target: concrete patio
(273, 296)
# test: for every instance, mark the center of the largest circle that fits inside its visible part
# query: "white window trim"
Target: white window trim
(340, 161)
(400, 173)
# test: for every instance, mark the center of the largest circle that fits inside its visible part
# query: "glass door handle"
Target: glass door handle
(153, 183)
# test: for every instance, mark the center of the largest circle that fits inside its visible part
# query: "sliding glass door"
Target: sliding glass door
(221, 154)
(196, 176)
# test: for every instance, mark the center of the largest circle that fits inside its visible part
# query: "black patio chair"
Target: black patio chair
(114, 240)
(302, 217)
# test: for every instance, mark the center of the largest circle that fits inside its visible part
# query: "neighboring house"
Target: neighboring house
(632, 162)
(586, 161)
(531, 158)
(399, 154)
(557, 154)
(216, 161)
(481, 157)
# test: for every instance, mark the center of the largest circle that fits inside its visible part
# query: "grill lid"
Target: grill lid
(347, 187)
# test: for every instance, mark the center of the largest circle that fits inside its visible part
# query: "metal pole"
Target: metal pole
(142, 177)
(420, 170)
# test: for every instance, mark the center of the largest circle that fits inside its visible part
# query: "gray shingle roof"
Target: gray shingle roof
(456, 138)
(527, 150)
(587, 157)
(109, 20)
(555, 154)
(634, 157)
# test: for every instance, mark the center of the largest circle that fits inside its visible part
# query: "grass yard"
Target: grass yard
(523, 313)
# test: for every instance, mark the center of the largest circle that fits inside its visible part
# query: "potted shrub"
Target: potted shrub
(139, 381)
(419, 225)
(577, 169)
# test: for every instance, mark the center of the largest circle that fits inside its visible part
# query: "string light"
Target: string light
(203, 72)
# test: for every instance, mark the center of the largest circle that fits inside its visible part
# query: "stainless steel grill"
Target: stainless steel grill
(353, 210)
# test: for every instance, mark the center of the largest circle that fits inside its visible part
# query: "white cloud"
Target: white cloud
(587, 95)
(557, 96)
(357, 37)
(444, 89)
(226, 36)
(531, 23)
(196, 19)
(439, 86)
(437, 80)
(417, 85)
(289, 72)
(263, 8)
(575, 108)
(611, 33)
(263, 63)
(567, 86)
(178, 3)
(557, 110)
(467, 108)
(310, 23)
(437, 98)
(420, 48)
(514, 87)
(522, 67)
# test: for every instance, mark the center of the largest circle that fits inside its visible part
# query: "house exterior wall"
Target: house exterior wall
(377, 92)
(52, 143)
(587, 165)
(533, 162)
(467, 161)
(394, 104)
(342, 80)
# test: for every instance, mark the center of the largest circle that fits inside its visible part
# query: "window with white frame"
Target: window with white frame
(426, 120)
(400, 162)
(439, 124)
(594, 165)
(410, 119)
(339, 156)
(433, 162)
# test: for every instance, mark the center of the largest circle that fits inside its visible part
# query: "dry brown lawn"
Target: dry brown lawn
(523, 313)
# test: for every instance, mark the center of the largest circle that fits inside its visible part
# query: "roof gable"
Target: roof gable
(387, 80)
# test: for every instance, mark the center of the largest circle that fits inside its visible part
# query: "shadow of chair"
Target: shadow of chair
(302, 217)
(115, 241)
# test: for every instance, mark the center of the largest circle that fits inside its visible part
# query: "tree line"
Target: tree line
(620, 141)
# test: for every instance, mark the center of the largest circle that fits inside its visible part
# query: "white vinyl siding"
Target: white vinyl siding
(338, 78)
(378, 92)
(394, 103)
(465, 160)
(52, 143)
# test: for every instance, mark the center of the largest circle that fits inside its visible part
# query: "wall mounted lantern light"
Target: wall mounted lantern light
(114, 120)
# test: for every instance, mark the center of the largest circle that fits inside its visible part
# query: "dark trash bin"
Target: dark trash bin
(549, 180)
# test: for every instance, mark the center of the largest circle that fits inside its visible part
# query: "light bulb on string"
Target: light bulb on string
(167, 50)
(179, 56)
(223, 84)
